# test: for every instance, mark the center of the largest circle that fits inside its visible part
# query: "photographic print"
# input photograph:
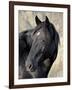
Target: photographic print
(38, 39)
(39, 44)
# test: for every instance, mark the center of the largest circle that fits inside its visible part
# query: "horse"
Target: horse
(38, 49)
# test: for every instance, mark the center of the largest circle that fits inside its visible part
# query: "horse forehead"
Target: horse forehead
(41, 33)
(38, 33)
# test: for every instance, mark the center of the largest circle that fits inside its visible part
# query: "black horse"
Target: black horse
(38, 50)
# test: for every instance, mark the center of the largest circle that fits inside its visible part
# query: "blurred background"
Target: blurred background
(26, 20)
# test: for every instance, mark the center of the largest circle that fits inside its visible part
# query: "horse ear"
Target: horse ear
(37, 20)
(47, 20)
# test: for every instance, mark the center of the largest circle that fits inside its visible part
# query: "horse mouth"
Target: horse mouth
(32, 70)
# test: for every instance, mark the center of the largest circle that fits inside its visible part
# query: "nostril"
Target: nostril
(30, 66)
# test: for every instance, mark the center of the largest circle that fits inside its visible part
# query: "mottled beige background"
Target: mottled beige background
(26, 20)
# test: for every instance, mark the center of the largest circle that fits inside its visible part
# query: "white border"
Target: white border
(16, 49)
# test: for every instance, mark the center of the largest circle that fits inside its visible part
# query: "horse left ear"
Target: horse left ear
(37, 20)
(47, 20)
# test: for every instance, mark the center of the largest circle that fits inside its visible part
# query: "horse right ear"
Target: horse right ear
(37, 20)
(47, 20)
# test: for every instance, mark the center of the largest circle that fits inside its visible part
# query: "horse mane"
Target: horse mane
(55, 40)
(55, 35)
